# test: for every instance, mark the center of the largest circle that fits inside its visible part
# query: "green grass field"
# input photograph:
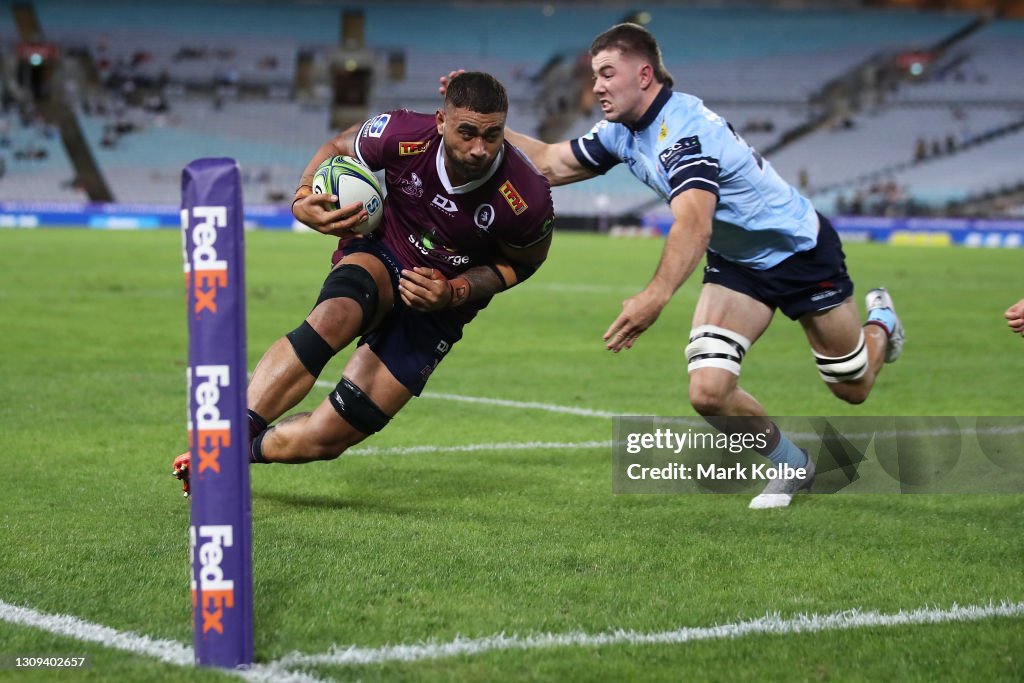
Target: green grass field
(393, 547)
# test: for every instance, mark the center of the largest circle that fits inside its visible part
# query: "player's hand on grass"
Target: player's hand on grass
(638, 313)
(1015, 317)
(425, 289)
(445, 80)
(317, 211)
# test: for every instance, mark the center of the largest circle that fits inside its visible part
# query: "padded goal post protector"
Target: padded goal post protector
(221, 525)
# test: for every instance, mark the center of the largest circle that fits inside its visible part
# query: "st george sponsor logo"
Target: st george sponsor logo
(212, 593)
(205, 272)
(212, 433)
(406, 149)
(512, 196)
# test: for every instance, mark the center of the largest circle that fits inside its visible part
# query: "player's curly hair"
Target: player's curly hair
(633, 39)
(477, 91)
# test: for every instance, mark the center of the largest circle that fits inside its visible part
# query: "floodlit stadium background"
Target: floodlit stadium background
(477, 538)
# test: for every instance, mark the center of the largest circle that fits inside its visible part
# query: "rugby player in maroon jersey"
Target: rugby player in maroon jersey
(466, 217)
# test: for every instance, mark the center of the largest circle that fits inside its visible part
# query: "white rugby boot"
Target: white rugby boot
(779, 492)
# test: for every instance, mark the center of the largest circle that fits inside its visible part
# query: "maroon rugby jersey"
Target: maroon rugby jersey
(429, 223)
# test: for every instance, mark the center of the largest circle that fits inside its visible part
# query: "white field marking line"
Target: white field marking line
(772, 624)
(529, 405)
(166, 651)
(505, 403)
(698, 422)
(474, 447)
(568, 287)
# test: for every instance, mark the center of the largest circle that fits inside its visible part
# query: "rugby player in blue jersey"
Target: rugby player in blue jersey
(766, 247)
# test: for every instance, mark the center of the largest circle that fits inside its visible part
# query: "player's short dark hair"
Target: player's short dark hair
(477, 91)
(633, 39)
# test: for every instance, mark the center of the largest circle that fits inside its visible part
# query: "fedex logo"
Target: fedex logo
(213, 433)
(217, 592)
(513, 197)
(210, 272)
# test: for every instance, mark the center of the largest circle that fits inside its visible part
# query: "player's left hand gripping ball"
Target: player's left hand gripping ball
(180, 471)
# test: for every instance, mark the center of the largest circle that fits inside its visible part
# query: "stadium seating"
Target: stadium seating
(272, 141)
(761, 68)
(36, 167)
(881, 139)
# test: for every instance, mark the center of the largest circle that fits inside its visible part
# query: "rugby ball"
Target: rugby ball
(351, 181)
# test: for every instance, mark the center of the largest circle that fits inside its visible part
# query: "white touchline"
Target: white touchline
(167, 651)
(770, 624)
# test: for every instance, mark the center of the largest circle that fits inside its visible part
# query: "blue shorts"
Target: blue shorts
(806, 282)
(410, 343)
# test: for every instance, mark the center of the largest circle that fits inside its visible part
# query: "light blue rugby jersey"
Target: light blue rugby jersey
(680, 144)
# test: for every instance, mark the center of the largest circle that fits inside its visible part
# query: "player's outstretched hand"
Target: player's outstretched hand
(445, 80)
(425, 289)
(1015, 317)
(638, 313)
(315, 211)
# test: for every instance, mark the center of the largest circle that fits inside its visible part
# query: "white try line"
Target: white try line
(166, 651)
(770, 624)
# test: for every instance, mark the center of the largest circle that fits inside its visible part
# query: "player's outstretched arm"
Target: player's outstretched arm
(1015, 317)
(555, 160)
(687, 240)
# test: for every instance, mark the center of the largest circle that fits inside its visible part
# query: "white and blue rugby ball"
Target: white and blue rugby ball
(352, 181)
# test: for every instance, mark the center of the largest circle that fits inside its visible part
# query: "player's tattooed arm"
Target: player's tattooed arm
(518, 263)
(426, 289)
